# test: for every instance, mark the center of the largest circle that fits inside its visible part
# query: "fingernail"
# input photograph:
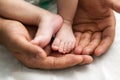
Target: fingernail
(86, 61)
(98, 52)
(78, 51)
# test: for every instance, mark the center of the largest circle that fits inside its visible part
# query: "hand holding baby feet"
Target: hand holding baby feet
(48, 26)
(94, 26)
(64, 41)
(47, 22)
(17, 40)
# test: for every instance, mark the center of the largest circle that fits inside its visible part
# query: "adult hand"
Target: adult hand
(16, 38)
(94, 26)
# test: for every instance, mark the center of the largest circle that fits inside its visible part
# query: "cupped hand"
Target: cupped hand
(16, 37)
(94, 26)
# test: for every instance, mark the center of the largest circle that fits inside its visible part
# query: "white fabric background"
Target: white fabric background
(106, 67)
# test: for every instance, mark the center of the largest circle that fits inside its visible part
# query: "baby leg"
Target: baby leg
(48, 26)
(65, 40)
(47, 22)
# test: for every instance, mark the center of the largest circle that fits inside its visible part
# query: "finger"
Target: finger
(95, 40)
(48, 50)
(32, 62)
(29, 54)
(73, 46)
(86, 60)
(66, 61)
(83, 27)
(54, 62)
(77, 36)
(19, 44)
(85, 39)
(28, 48)
(70, 60)
(114, 4)
(51, 62)
(107, 39)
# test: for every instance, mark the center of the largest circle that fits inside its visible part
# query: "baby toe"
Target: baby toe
(61, 47)
(56, 43)
(66, 47)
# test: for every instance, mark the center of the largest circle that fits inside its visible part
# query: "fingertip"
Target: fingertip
(34, 41)
(41, 54)
(36, 50)
(86, 51)
(67, 60)
(98, 52)
(89, 59)
(78, 51)
(86, 60)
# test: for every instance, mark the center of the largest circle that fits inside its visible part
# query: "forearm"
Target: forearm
(67, 9)
(20, 10)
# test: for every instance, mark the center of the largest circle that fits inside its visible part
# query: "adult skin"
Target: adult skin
(15, 37)
(95, 23)
(35, 57)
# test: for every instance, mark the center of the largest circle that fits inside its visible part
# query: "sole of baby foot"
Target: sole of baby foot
(64, 41)
(48, 26)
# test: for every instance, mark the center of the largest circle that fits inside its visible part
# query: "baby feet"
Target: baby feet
(51, 24)
(48, 26)
(64, 41)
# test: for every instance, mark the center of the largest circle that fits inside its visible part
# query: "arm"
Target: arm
(21, 11)
(32, 55)
(67, 9)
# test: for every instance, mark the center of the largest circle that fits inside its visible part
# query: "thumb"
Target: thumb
(25, 47)
(114, 4)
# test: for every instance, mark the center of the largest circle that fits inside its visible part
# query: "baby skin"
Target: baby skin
(47, 22)
(65, 41)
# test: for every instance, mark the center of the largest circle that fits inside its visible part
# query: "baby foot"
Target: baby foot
(48, 26)
(64, 41)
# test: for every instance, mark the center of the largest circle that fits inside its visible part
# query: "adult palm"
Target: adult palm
(94, 25)
(16, 38)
